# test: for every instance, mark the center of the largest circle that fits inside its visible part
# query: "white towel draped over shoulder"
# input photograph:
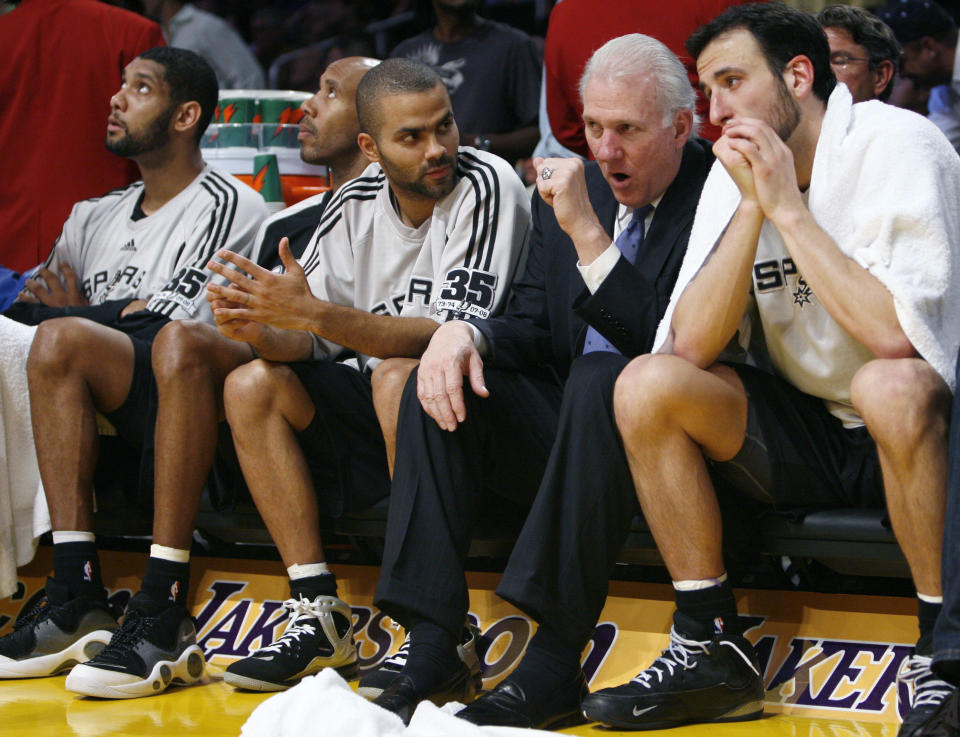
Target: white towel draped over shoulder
(23, 508)
(325, 704)
(886, 187)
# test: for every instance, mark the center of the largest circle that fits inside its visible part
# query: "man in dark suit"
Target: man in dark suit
(538, 415)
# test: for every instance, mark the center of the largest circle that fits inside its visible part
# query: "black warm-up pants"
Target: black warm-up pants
(526, 443)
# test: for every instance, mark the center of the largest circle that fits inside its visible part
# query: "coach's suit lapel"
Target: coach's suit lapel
(671, 218)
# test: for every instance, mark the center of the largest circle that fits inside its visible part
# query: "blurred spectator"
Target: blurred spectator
(492, 72)
(319, 32)
(209, 35)
(579, 27)
(341, 24)
(267, 39)
(303, 71)
(68, 56)
(864, 54)
(908, 95)
(928, 35)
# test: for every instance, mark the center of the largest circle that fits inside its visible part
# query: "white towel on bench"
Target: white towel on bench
(23, 507)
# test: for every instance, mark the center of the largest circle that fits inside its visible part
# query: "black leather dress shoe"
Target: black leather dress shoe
(507, 706)
(401, 696)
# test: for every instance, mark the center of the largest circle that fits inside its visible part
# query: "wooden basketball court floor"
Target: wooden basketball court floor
(42, 707)
(829, 661)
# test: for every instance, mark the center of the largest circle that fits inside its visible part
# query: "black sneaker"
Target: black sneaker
(319, 635)
(55, 634)
(155, 646)
(944, 721)
(716, 680)
(374, 682)
(928, 693)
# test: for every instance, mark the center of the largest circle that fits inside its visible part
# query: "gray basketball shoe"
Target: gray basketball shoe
(55, 634)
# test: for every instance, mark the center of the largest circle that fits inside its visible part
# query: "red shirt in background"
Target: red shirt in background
(62, 61)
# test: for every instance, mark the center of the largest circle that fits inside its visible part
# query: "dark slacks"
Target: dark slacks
(946, 634)
(528, 443)
(560, 567)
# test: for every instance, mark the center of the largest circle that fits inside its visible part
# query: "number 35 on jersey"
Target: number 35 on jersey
(468, 291)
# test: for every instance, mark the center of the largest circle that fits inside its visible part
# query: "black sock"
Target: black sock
(549, 663)
(433, 655)
(703, 613)
(166, 580)
(927, 614)
(310, 587)
(77, 566)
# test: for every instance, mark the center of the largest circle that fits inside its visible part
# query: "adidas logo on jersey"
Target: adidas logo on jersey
(128, 246)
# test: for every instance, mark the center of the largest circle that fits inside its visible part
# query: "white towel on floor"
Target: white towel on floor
(325, 704)
(23, 507)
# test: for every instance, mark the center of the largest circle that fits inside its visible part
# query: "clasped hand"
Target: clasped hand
(257, 295)
(761, 165)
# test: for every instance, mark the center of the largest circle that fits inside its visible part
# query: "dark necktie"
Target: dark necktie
(629, 242)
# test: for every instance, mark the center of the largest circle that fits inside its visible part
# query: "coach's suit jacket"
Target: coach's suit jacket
(544, 325)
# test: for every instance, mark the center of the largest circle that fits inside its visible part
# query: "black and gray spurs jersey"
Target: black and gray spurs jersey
(458, 263)
(160, 258)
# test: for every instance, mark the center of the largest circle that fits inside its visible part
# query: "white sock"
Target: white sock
(172, 554)
(930, 599)
(73, 536)
(697, 584)
(305, 570)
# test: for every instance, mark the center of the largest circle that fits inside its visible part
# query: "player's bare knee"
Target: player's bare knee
(390, 376)
(641, 395)
(57, 345)
(249, 392)
(902, 401)
(178, 351)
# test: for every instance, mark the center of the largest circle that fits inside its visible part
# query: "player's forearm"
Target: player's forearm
(856, 299)
(711, 307)
(381, 336)
(283, 345)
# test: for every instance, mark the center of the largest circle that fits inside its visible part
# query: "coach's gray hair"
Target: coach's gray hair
(636, 55)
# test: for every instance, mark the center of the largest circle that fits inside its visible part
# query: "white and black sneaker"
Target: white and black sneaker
(374, 682)
(319, 635)
(55, 633)
(927, 693)
(693, 681)
(155, 646)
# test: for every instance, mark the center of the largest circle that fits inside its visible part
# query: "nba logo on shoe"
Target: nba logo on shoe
(718, 625)
(174, 590)
(88, 571)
